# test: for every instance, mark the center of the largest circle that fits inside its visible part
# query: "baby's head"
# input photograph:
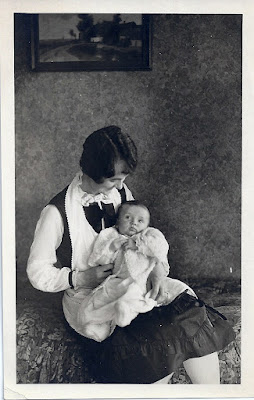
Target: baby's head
(132, 217)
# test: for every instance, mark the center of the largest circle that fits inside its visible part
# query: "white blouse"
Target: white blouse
(41, 269)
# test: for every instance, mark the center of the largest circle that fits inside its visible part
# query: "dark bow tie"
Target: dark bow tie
(94, 215)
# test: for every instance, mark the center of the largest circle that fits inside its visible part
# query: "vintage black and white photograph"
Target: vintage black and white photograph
(63, 42)
(156, 298)
(128, 204)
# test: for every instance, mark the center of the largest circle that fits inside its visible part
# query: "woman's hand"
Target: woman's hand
(92, 277)
(155, 282)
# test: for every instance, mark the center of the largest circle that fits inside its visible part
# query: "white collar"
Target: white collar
(88, 198)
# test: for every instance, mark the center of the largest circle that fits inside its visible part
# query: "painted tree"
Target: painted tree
(112, 33)
(72, 33)
(85, 27)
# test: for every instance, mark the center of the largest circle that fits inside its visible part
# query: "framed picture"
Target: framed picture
(87, 42)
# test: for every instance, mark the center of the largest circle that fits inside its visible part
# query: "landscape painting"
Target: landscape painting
(69, 42)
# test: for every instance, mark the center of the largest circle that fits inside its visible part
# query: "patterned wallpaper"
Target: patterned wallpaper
(185, 117)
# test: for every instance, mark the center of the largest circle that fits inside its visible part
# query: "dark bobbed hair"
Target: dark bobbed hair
(131, 203)
(103, 148)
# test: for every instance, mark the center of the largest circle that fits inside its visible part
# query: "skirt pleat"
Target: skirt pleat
(156, 343)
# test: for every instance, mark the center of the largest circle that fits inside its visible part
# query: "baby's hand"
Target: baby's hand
(130, 245)
(117, 243)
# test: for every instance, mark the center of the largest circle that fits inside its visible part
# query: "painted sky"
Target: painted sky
(58, 26)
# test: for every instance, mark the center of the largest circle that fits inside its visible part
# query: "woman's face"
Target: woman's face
(115, 181)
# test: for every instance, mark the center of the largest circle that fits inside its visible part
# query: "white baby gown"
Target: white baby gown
(123, 295)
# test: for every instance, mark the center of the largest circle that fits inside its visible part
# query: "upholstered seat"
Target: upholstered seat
(48, 351)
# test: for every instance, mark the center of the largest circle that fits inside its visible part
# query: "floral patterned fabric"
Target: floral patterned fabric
(48, 351)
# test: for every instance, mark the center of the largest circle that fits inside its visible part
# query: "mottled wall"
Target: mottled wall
(185, 116)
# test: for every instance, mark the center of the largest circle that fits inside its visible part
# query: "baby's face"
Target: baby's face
(133, 219)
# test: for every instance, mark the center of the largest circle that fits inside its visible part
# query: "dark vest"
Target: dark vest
(93, 215)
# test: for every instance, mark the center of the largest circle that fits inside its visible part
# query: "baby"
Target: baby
(134, 248)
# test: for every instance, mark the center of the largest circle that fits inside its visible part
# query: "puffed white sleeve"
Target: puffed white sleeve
(102, 252)
(153, 243)
(41, 269)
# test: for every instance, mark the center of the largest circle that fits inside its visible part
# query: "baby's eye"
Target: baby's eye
(127, 216)
(140, 220)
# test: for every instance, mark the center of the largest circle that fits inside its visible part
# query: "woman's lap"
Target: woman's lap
(156, 343)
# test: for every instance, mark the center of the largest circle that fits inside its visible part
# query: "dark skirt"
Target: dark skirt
(156, 343)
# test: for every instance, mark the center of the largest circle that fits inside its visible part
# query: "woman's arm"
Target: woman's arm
(41, 269)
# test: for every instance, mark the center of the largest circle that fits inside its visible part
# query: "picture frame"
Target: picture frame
(90, 42)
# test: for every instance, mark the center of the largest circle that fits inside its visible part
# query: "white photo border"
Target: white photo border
(78, 391)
